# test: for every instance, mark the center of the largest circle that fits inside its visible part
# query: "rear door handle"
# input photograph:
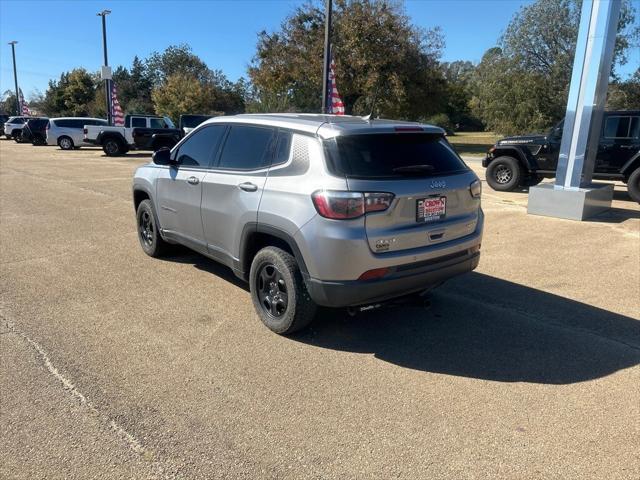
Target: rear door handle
(193, 180)
(248, 187)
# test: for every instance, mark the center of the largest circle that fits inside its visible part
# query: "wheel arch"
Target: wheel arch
(256, 236)
(104, 136)
(517, 153)
(631, 165)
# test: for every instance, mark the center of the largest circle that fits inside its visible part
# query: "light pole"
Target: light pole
(15, 77)
(327, 57)
(107, 90)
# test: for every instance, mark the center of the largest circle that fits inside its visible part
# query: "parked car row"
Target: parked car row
(140, 132)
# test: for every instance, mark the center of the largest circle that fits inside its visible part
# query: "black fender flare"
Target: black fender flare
(253, 229)
(525, 159)
(105, 135)
(164, 138)
(631, 165)
(142, 188)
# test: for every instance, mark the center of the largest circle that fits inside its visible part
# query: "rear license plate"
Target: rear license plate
(431, 209)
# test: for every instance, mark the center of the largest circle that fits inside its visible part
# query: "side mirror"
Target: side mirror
(162, 156)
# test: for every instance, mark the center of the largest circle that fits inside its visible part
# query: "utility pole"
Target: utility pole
(15, 77)
(106, 74)
(326, 94)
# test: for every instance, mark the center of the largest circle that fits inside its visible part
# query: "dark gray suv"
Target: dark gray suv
(314, 210)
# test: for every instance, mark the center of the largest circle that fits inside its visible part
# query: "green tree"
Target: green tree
(459, 93)
(176, 59)
(381, 59)
(134, 87)
(73, 95)
(523, 84)
(8, 104)
(182, 93)
(625, 95)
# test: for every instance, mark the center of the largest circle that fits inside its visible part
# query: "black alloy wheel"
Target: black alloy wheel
(148, 231)
(145, 229)
(272, 291)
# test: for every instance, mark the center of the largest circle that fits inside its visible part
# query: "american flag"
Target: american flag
(24, 105)
(116, 110)
(335, 102)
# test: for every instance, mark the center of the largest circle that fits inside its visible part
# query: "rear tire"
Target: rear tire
(112, 147)
(278, 292)
(504, 174)
(633, 185)
(149, 236)
(65, 143)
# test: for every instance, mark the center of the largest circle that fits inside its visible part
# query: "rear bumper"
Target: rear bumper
(403, 280)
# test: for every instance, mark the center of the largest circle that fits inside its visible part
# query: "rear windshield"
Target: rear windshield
(392, 155)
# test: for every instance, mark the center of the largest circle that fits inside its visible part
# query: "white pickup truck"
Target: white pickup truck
(140, 132)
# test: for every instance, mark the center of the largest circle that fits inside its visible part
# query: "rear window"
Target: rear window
(392, 155)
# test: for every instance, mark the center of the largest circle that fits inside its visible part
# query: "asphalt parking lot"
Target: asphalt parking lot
(116, 365)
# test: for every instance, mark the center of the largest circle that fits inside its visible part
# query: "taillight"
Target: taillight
(475, 189)
(341, 205)
(377, 202)
(85, 130)
(48, 126)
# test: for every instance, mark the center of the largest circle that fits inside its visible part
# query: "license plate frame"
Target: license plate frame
(431, 209)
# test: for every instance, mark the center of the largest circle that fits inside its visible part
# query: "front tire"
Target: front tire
(504, 174)
(149, 236)
(113, 147)
(65, 143)
(278, 292)
(633, 185)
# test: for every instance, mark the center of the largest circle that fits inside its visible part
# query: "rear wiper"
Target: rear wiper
(424, 168)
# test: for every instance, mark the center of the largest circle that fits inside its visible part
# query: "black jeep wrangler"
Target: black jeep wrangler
(522, 161)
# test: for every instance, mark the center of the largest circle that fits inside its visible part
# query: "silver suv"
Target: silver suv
(315, 210)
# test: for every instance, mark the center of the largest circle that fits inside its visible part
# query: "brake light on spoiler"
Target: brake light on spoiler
(409, 128)
(343, 205)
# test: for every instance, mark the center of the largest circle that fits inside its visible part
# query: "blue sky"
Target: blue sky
(56, 36)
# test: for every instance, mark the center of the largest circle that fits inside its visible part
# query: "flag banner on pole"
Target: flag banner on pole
(335, 102)
(116, 110)
(23, 105)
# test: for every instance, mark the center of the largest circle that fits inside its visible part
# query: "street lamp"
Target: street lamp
(15, 77)
(107, 90)
(326, 94)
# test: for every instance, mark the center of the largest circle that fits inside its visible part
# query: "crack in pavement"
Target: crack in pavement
(130, 440)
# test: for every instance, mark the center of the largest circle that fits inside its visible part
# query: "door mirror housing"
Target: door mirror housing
(162, 156)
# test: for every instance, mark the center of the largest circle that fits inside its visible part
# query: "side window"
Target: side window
(283, 147)
(63, 123)
(78, 123)
(138, 122)
(19, 121)
(247, 148)
(101, 122)
(157, 123)
(198, 150)
(617, 127)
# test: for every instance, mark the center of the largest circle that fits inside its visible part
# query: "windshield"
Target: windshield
(392, 155)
